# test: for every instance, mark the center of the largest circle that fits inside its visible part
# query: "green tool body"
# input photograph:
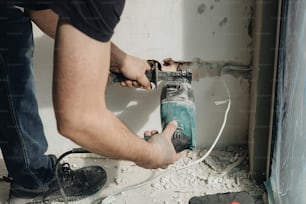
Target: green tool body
(177, 103)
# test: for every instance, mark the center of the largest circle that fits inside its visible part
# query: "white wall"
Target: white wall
(183, 30)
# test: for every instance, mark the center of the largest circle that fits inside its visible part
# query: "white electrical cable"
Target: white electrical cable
(111, 198)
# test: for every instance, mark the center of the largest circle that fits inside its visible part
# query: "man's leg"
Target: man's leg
(23, 142)
(22, 138)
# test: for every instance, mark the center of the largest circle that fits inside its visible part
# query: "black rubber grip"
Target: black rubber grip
(118, 77)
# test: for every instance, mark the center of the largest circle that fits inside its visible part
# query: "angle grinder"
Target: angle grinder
(176, 102)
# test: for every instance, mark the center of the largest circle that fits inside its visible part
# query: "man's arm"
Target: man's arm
(80, 77)
(46, 20)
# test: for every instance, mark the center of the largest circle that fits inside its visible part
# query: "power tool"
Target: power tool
(176, 101)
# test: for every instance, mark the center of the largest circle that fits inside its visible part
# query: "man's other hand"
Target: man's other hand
(164, 152)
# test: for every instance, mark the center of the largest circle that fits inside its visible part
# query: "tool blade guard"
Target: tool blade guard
(177, 103)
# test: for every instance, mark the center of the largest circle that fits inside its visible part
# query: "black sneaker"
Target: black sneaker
(76, 184)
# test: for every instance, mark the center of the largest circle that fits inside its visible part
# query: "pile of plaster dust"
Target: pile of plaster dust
(224, 170)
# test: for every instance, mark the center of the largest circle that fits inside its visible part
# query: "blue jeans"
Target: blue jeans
(22, 138)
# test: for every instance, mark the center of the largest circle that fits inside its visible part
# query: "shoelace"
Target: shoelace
(66, 173)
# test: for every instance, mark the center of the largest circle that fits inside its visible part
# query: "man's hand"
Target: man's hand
(134, 69)
(131, 67)
(164, 152)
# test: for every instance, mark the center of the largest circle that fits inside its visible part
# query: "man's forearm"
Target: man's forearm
(106, 135)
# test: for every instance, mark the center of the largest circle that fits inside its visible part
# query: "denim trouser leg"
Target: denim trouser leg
(22, 139)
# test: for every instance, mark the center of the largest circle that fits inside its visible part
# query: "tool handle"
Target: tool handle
(118, 77)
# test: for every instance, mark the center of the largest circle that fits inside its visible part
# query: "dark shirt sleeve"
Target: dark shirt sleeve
(95, 18)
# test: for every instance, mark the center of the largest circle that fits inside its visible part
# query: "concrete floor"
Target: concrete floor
(225, 170)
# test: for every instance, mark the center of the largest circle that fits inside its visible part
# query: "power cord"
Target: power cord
(111, 198)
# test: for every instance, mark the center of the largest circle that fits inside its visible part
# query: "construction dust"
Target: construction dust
(225, 170)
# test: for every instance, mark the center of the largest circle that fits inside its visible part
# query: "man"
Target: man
(82, 57)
